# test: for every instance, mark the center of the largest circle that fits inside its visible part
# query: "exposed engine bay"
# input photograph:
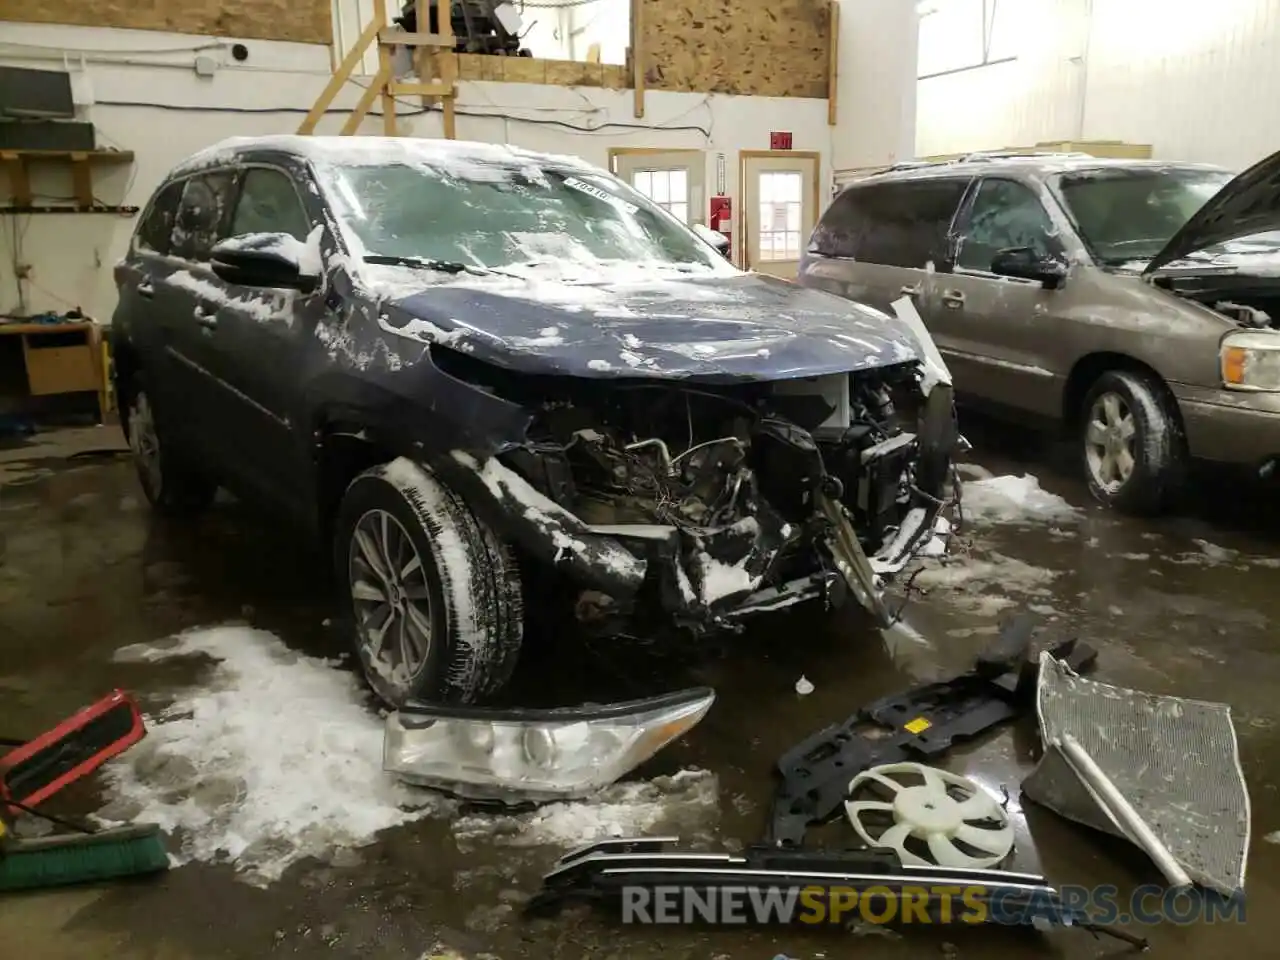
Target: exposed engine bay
(1252, 302)
(747, 497)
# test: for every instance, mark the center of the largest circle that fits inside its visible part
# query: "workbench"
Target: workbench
(57, 358)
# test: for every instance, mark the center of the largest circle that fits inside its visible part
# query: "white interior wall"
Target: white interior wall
(141, 92)
(875, 83)
(1190, 78)
(606, 22)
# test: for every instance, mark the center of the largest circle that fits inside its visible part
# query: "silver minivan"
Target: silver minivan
(1133, 303)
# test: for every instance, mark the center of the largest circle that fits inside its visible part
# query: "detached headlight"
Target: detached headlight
(1251, 360)
(518, 756)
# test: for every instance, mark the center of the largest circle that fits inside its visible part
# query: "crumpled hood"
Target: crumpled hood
(707, 328)
(1248, 204)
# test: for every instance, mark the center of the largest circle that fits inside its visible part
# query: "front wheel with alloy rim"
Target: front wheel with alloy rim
(434, 598)
(1131, 442)
(169, 483)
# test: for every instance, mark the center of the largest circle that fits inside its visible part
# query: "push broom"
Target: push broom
(35, 770)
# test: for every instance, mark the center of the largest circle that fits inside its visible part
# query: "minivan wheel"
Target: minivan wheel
(170, 485)
(433, 596)
(1131, 442)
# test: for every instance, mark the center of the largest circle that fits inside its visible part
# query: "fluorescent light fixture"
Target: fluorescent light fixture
(534, 756)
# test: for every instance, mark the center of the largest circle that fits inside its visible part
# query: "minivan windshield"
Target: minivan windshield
(1128, 215)
(497, 215)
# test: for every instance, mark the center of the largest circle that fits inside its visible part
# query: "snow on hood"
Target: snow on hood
(1246, 206)
(644, 321)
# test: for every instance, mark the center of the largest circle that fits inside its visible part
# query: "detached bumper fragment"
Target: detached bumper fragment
(534, 756)
(601, 872)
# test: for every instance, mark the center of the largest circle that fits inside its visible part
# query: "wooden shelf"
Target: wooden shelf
(17, 165)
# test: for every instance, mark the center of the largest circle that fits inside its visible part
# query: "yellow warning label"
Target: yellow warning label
(918, 725)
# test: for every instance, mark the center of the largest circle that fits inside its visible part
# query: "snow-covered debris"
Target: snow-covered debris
(685, 804)
(1010, 499)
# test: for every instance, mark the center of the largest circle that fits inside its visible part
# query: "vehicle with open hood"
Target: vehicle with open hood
(490, 377)
(1135, 303)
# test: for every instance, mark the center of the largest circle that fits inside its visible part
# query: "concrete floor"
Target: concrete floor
(1183, 606)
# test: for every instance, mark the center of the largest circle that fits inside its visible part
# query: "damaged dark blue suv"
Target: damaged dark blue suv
(472, 368)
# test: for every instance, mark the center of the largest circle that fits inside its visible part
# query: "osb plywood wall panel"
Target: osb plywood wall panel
(565, 73)
(306, 21)
(749, 47)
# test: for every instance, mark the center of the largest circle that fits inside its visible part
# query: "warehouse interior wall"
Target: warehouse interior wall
(875, 84)
(142, 93)
(1185, 76)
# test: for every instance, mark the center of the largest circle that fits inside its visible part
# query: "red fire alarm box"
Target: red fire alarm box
(720, 219)
(780, 140)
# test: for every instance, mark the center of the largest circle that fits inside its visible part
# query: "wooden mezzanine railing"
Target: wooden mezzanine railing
(435, 64)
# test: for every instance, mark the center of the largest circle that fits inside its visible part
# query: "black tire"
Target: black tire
(468, 577)
(1125, 402)
(171, 485)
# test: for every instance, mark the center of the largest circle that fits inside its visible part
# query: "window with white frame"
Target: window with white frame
(781, 210)
(668, 188)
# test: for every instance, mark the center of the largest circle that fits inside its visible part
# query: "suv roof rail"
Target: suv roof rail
(981, 155)
(1015, 154)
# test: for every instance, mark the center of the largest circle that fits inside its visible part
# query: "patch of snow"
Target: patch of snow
(1010, 499)
(686, 803)
(987, 586)
(272, 759)
(264, 306)
(721, 579)
(599, 365)
(973, 471)
(804, 686)
(1214, 553)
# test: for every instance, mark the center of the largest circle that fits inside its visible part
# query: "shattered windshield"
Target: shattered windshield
(519, 213)
(1128, 215)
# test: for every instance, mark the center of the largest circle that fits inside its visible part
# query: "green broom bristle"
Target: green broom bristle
(67, 859)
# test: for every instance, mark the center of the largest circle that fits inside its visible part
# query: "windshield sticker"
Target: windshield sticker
(600, 194)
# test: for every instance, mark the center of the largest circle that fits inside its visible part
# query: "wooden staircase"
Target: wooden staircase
(433, 57)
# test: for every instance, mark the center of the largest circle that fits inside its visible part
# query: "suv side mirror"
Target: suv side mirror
(1025, 264)
(263, 260)
(713, 237)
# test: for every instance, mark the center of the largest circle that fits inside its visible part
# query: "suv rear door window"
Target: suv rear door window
(902, 224)
(268, 203)
(156, 230)
(202, 214)
(1005, 214)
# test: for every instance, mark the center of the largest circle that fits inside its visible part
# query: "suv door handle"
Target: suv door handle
(953, 298)
(205, 318)
(912, 291)
(145, 289)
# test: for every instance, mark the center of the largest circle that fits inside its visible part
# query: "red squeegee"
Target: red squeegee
(35, 771)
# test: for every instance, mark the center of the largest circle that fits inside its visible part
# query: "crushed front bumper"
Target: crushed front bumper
(716, 577)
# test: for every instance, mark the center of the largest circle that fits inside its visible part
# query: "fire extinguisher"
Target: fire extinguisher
(720, 219)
